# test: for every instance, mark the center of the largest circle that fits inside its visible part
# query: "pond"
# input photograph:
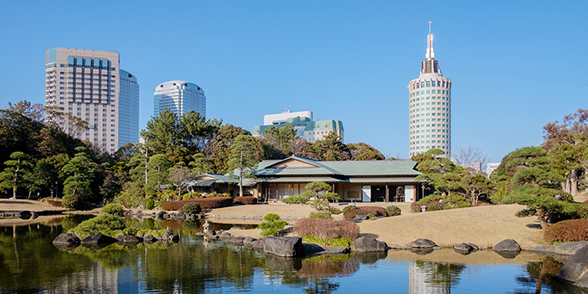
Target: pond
(29, 263)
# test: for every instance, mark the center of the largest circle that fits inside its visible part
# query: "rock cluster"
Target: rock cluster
(69, 240)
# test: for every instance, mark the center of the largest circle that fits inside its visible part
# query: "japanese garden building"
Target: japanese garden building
(353, 181)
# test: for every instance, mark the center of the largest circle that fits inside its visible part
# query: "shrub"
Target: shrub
(456, 201)
(567, 231)
(350, 212)
(326, 228)
(393, 210)
(341, 242)
(166, 195)
(55, 203)
(415, 207)
(335, 210)
(296, 199)
(434, 206)
(205, 203)
(245, 200)
(192, 208)
(113, 208)
(104, 223)
(193, 195)
(272, 225)
(214, 195)
(150, 204)
(323, 215)
(72, 201)
(430, 198)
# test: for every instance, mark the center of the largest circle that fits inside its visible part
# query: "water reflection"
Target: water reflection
(30, 263)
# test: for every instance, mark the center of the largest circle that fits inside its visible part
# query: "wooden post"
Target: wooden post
(387, 193)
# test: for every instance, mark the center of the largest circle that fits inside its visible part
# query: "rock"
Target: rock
(211, 234)
(25, 214)
(507, 245)
(67, 239)
(283, 246)
(576, 267)
(569, 248)
(98, 238)
(161, 214)
(366, 244)
(258, 243)
(543, 249)
(474, 246)
(128, 213)
(310, 248)
(170, 237)
(248, 240)
(422, 243)
(234, 240)
(582, 282)
(361, 217)
(131, 239)
(225, 235)
(149, 238)
(463, 247)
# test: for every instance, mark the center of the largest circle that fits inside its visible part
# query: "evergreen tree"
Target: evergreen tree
(242, 159)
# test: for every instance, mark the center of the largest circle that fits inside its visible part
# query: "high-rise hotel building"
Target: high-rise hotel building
(90, 85)
(430, 107)
(179, 97)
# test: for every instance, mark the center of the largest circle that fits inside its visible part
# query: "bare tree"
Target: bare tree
(468, 156)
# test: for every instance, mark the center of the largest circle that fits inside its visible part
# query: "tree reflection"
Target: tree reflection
(541, 276)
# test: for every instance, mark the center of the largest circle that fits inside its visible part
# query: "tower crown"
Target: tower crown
(430, 65)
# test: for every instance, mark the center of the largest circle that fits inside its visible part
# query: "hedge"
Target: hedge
(205, 203)
(326, 228)
(245, 200)
(567, 231)
(371, 211)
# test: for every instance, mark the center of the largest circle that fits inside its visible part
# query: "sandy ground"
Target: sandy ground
(483, 225)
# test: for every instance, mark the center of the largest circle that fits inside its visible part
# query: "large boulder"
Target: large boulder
(463, 247)
(225, 235)
(569, 248)
(66, 239)
(366, 244)
(507, 245)
(248, 240)
(131, 239)
(149, 238)
(258, 244)
(576, 267)
(234, 240)
(283, 246)
(97, 238)
(169, 237)
(422, 243)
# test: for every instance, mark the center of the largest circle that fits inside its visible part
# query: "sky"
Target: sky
(515, 65)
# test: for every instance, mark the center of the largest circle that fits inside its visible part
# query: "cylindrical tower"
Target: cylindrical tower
(430, 107)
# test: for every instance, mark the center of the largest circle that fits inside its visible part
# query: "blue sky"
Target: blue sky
(516, 65)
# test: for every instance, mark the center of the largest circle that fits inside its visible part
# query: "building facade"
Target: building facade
(302, 122)
(128, 114)
(430, 107)
(353, 181)
(179, 97)
(85, 86)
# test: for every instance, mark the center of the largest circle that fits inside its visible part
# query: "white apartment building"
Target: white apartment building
(179, 97)
(87, 84)
(430, 107)
(302, 122)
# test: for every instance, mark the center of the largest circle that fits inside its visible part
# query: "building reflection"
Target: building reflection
(432, 277)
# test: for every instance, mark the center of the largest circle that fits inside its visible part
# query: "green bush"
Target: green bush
(456, 201)
(434, 206)
(192, 208)
(72, 201)
(296, 199)
(105, 223)
(113, 208)
(167, 195)
(335, 210)
(430, 198)
(193, 195)
(348, 208)
(323, 215)
(393, 210)
(212, 195)
(272, 225)
(150, 204)
(567, 231)
(340, 242)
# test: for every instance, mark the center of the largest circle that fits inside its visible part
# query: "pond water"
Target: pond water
(29, 263)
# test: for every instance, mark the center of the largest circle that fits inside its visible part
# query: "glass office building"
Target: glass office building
(179, 97)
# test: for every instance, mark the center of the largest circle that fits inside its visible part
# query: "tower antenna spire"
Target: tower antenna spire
(430, 26)
(430, 54)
